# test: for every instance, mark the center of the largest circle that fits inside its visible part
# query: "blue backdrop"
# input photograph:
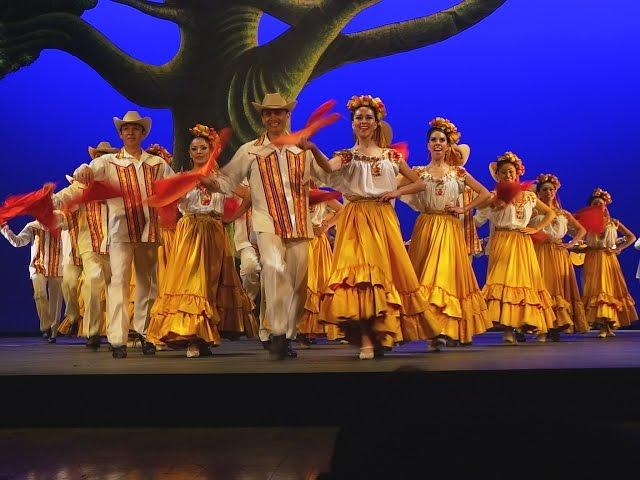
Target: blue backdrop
(556, 82)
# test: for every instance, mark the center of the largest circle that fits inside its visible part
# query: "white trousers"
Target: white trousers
(97, 275)
(70, 280)
(145, 261)
(47, 293)
(283, 278)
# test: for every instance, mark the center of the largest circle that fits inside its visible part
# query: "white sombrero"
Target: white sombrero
(133, 117)
(274, 101)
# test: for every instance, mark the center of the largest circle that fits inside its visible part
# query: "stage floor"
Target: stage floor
(65, 385)
(33, 356)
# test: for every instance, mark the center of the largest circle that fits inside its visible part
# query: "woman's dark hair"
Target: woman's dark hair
(373, 109)
(437, 129)
(500, 163)
(592, 198)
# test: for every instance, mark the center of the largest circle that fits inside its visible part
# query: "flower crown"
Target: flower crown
(159, 151)
(514, 160)
(208, 133)
(603, 194)
(358, 101)
(549, 178)
(447, 127)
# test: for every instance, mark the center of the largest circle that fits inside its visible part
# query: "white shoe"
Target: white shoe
(541, 337)
(193, 351)
(366, 353)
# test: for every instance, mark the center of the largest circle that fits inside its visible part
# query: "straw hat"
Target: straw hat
(101, 149)
(133, 117)
(493, 170)
(274, 101)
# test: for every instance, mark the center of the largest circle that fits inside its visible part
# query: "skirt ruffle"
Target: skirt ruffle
(560, 279)
(515, 292)
(372, 280)
(201, 298)
(605, 295)
(438, 254)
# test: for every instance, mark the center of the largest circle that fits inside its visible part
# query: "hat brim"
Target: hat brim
(493, 170)
(288, 107)
(71, 180)
(94, 152)
(144, 122)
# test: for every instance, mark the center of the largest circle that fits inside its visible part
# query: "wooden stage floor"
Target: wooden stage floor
(325, 386)
(33, 356)
(485, 411)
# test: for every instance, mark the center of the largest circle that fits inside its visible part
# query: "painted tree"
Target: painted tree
(222, 81)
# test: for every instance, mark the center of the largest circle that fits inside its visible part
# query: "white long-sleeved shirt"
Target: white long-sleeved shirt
(363, 176)
(129, 218)
(279, 184)
(439, 193)
(88, 228)
(46, 249)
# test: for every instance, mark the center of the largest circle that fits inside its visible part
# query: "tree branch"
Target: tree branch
(157, 10)
(140, 82)
(286, 10)
(300, 47)
(404, 36)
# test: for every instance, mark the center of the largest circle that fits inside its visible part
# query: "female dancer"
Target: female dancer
(514, 291)
(605, 295)
(437, 249)
(555, 263)
(373, 292)
(324, 215)
(201, 297)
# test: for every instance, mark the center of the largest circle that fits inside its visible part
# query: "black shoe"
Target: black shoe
(52, 340)
(73, 329)
(119, 352)
(46, 334)
(378, 351)
(278, 347)
(290, 352)
(205, 350)
(520, 336)
(148, 348)
(93, 343)
(266, 344)
(554, 335)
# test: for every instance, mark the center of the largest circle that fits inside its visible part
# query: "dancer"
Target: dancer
(133, 233)
(278, 180)
(88, 226)
(201, 296)
(45, 271)
(555, 263)
(372, 293)
(607, 302)
(71, 275)
(515, 292)
(324, 215)
(437, 248)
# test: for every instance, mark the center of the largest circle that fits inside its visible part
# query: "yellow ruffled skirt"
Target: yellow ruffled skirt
(439, 256)
(320, 257)
(560, 280)
(372, 279)
(164, 249)
(515, 291)
(201, 297)
(605, 294)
